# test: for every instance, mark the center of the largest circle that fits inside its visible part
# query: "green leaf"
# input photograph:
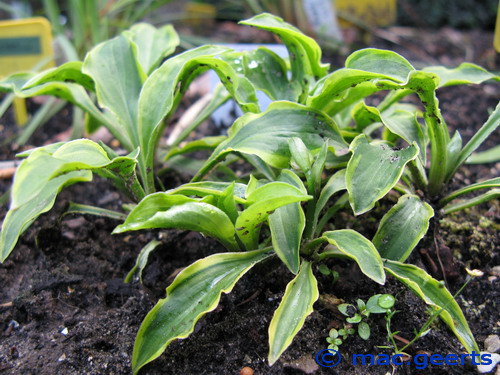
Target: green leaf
(491, 183)
(287, 224)
(373, 170)
(118, 82)
(164, 88)
(15, 82)
(296, 305)
(152, 44)
(354, 319)
(268, 73)
(70, 72)
(205, 188)
(304, 52)
(261, 203)
(489, 156)
(465, 73)
(345, 309)
(379, 61)
(436, 295)
(405, 124)
(163, 210)
(335, 184)
(266, 135)
(76, 95)
(41, 166)
(20, 218)
(342, 88)
(360, 249)
(373, 306)
(206, 143)
(386, 301)
(83, 209)
(402, 227)
(142, 261)
(488, 127)
(194, 292)
(453, 150)
(461, 205)
(300, 154)
(364, 330)
(227, 203)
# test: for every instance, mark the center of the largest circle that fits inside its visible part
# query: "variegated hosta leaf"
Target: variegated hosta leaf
(164, 88)
(204, 188)
(173, 211)
(335, 184)
(399, 121)
(19, 219)
(266, 135)
(435, 294)
(384, 62)
(491, 124)
(141, 261)
(304, 52)
(194, 292)
(206, 143)
(70, 72)
(360, 249)
(260, 204)
(296, 304)
(490, 183)
(115, 71)
(152, 44)
(268, 72)
(287, 224)
(465, 73)
(373, 170)
(402, 227)
(333, 88)
(41, 166)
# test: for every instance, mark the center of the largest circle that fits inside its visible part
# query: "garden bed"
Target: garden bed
(64, 308)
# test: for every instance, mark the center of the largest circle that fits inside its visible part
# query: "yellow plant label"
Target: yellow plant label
(24, 44)
(371, 12)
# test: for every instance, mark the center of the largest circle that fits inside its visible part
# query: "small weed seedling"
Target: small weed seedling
(377, 304)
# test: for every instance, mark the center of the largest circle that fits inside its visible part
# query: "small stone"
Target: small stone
(305, 364)
(495, 358)
(246, 371)
(492, 344)
(495, 271)
(64, 331)
(62, 358)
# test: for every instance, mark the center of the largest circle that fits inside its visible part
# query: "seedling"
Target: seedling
(377, 304)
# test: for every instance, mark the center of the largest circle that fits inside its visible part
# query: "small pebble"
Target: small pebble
(492, 344)
(495, 358)
(62, 358)
(246, 371)
(64, 331)
(495, 271)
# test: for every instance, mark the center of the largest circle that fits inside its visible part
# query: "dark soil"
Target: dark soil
(64, 308)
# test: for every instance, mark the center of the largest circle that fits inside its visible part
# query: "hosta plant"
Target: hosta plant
(135, 94)
(284, 217)
(316, 150)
